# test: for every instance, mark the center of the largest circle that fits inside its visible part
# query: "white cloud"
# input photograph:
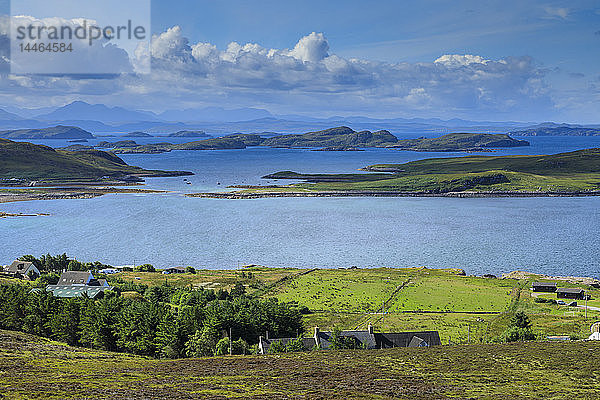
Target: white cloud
(557, 12)
(313, 48)
(458, 60)
(307, 78)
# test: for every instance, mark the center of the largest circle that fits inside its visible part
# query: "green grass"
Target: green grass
(436, 292)
(357, 290)
(33, 368)
(213, 279)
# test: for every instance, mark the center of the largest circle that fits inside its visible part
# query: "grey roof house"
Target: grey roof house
(79, 283)
(368, 339)
(22, 269)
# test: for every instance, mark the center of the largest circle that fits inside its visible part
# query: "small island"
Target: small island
(566, 174)
(189, 134)
(138, 134)
(56, 132)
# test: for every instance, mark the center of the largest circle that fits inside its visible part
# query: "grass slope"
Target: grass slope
(33, 368)
(30, 161)
(577, 171)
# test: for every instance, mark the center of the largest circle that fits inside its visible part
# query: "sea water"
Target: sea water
(483, 235)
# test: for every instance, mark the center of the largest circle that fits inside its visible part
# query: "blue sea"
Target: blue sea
(490, 235)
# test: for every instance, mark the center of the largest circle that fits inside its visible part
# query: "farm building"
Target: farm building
(174, 270)
(570, 293)
(368, 339)
(549, 287)
(78, 283)
(22, 270)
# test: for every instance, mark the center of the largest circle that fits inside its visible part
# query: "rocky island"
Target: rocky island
(341, 138)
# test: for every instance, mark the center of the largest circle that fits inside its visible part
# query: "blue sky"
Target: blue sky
(534, 60)
(560, 34)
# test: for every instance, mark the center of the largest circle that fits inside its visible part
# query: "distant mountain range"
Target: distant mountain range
(101, 119)
(558, 130)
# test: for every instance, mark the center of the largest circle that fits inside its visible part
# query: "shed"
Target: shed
(570, 293)
(174, 270)
(549, 287)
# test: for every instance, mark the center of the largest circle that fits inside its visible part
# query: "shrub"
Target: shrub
(200, 345)
(238, 347)
(519, 328)
(144, 268)
(190, 270)
(295, 345)
(277, 347)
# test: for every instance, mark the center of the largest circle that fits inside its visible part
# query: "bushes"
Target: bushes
(190, 270)
(519, 329)
(144, 268)
(238, 347)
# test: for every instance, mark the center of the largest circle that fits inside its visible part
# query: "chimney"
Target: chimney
(267, 335)
(317, 338)
(370, 329)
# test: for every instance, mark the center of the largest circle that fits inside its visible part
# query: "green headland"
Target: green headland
(573, 173)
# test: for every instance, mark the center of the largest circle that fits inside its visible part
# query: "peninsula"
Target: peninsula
(40, 172)
(566, 174)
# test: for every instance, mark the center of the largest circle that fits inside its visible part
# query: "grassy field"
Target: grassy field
(461, 308)
(35, 368)
(259, 279)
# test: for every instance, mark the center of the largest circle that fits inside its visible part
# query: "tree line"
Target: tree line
(165, 321)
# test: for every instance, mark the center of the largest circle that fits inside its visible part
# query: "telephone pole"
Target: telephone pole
(230, 342)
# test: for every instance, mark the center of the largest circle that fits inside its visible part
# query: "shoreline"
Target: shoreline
(71, 193)
(257, 195)
(8, 215)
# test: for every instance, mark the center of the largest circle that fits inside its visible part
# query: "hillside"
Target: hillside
(460, 142)
(34, 367)
(56, 132)
(35, 162)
